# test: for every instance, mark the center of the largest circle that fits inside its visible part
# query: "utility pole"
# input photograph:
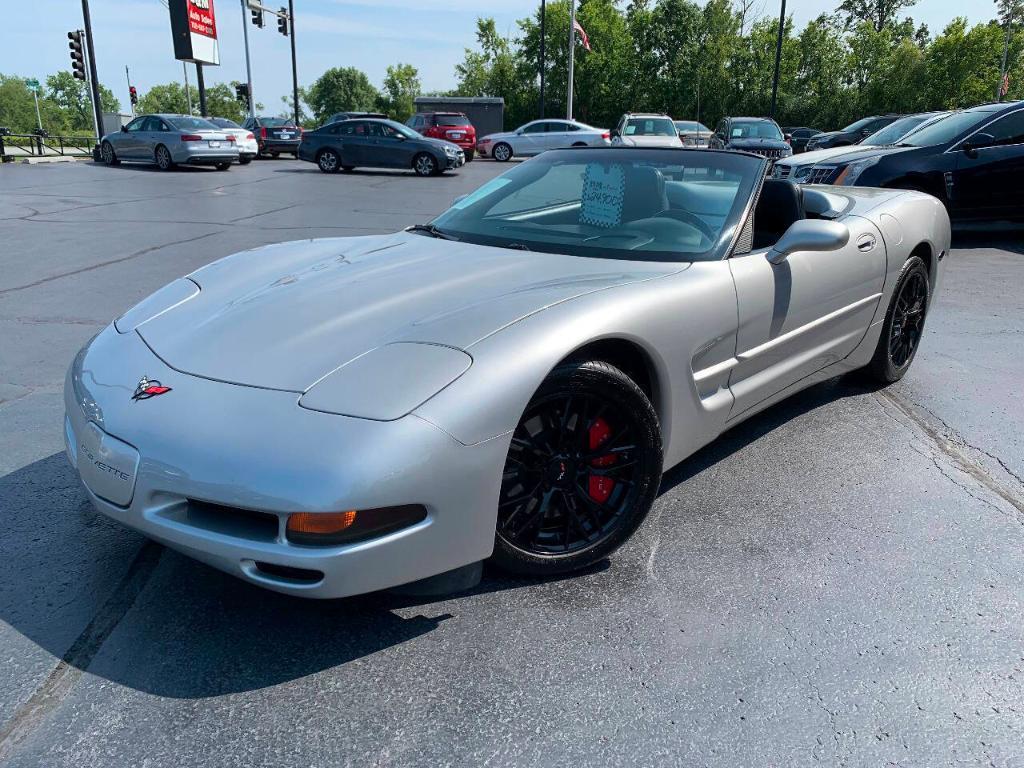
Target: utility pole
(1006, 50)
(188, 93)
(543, 47)
(295, 71)
(572, 51)
(97, 107)
(778, 58)
(201, 85)
(248, 64)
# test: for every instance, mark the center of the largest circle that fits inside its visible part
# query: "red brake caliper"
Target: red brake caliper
(600, 487)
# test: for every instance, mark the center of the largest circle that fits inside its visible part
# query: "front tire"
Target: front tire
(108, 154)
(163, 158)
(328, 161)
(582, 472)
(904, 324)
(424, 164)
(244, 160)
(502, 152)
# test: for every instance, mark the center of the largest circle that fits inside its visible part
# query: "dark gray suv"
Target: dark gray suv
(372, 143)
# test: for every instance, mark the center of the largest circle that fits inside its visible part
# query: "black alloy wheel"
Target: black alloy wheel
(582, 471)
(904, 323)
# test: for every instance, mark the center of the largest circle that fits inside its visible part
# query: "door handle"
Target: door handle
(865, 243)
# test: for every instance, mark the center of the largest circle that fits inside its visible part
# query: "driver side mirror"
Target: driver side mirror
(124, 129)
(614, 133)
(976, 142)
(809, 235)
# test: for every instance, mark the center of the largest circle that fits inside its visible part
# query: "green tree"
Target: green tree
(169, 97)
(72, 97)
(878, 13)
(221, 102)
(963, 64)
(401, 87)
(341, 89)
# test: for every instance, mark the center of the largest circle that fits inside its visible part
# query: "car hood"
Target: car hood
(818, 155)
(825, 135)
(283, 316)
(651, 141)
(757, 144)
(861, 153)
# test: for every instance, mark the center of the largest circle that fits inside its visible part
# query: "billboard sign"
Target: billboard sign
(194, 27)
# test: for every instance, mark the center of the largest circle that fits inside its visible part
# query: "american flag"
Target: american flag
(583, 35)
(1004, 86)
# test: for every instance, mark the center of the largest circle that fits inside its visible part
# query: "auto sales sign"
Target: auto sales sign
(194, 27)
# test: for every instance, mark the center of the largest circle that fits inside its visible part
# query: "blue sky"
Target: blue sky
(369, 34)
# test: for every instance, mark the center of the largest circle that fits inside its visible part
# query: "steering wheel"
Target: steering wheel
(693, 220)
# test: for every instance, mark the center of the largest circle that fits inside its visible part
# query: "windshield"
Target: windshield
(405, 130)
(223, 122)
(893, 132)
(857, 125)
(691, 126)
(650, 126)
(191, 124)
(945, 130)
(452, 120)
(277, 122)
(760, 129)
(644, 205)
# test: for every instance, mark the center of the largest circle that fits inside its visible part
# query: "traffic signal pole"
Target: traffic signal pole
(93, 78)
(248, 64)
(295, 71)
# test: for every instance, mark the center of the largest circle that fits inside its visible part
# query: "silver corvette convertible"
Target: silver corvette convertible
(331, 417)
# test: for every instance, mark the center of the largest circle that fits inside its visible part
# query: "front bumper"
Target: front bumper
(158, 463)
(455, 161)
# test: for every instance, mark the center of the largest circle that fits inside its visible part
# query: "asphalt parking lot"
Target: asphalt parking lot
(839, 580)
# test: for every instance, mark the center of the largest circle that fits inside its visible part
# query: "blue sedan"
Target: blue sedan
(375, 143)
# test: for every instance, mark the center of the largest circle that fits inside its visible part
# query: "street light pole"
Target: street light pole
(543, 46)
(778, 58)
(295, 71)
(248, 65)
(201, 87)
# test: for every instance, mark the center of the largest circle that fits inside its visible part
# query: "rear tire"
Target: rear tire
(163, 158)
(244, 160)
(582, 472)
(903, 327)
(470, 154)
(275, 155)
(222, 166)
(108, 154)
(502, 152)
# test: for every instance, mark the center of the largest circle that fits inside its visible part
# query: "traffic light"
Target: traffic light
(282, 22)
(257, 17)
(77, 58)
(242, 93)
(133, 95)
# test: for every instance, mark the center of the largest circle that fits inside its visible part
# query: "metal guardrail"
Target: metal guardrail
(14, 146)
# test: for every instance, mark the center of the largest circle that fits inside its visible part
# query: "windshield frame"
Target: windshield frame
(753, 169)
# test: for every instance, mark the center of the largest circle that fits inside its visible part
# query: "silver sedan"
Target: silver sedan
(539, 136)
(336, 416)
(169, 140)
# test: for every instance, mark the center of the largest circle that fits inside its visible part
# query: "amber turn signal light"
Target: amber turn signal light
(320, 523)
(327, 528)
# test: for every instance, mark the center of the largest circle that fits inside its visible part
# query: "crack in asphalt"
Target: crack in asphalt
(953, 448)
(107, 263)
(62, 679)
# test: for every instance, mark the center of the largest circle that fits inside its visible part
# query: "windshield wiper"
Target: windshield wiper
(431, 230)
(517, 246)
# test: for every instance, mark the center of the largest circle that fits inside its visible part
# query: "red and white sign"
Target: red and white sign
(194, 27)
(200, 18)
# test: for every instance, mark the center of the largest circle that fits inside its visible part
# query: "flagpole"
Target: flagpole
(572, 48)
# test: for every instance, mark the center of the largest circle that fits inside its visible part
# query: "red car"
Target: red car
(450, 126)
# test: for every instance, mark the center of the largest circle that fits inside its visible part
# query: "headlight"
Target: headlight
(849, 175)
(167, 298)
(801, 172)
(388, 382)
(449, 150)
